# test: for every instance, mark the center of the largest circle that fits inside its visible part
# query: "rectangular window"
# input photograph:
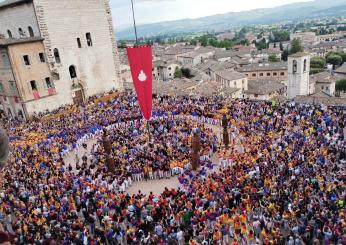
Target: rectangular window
(261, 74)
(282, 73)
(26, 60)
(169, 68)
(48, 82)
(1, 87)
(275, 74)
(89, 40)
(254, 74)
(33, 85)
(79, 43)
(42, 58)
(268, 74)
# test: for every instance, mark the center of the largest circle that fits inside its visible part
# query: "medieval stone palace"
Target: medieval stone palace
(55, 52)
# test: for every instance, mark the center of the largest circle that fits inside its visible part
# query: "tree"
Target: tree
(296, 46)
(284, 55)
(186, 72)
(281, 47)
(317, 62)
(122, 44)
(280, 36)
(334, 59)
(272, 58)
(342, 54)
(193, 42)
(178, 73)
(261, 44)
(341, 85)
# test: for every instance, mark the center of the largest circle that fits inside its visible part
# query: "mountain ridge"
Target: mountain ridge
(288, 12)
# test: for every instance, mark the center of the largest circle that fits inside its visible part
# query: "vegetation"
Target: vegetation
(296, 46)
(280, 36)
(186, 72)
(317, 64)
(272, 58)
(122, 44)
(284, 55)
(339, 53)
(178, 73)
(262, 44)
(211, 40)
(341, 85)
(334, 59)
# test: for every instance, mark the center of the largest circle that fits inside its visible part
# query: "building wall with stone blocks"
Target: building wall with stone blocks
(61, 23)
(19, 16)
(9, 97)
(37, 71)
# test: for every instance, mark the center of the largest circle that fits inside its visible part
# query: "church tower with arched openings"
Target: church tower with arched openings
(298, 75)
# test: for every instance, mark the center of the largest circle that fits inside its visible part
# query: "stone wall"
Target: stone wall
(20, 16)
(61, 23)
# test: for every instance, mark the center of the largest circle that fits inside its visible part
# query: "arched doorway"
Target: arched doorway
(77, 93)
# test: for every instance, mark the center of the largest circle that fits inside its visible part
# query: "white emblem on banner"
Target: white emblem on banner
(142, 77)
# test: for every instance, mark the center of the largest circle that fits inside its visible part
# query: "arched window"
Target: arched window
(295, 66)
(73, 73)
(57, 56)
(20, 113)
(305, 65)
(31, 31)
(9, 33)
(21, 32)
(33, 85)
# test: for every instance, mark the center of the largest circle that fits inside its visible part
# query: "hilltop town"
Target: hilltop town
(252, 63)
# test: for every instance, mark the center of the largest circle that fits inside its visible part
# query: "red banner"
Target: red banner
(51, 91)
(140, 60)
(36, 94)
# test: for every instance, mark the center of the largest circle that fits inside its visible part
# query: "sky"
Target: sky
(150, 11)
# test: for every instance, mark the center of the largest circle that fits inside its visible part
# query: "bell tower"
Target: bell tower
(298, 75)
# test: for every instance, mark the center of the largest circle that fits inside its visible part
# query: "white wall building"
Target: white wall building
(79, 45)
(298, 75)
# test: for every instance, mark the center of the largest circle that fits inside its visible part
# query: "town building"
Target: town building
(55, 52)
(326, 81)
(264, 90)
(164, 69)
(232, 79)
(307, 38)
(273, 71)
(298, 75)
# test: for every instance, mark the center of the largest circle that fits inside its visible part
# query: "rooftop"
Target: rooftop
(230, 75)
(264, 67)
(341, 69)
(11, 41)
(263, 87)
(11, 3)
(326, 77)
(299, 55)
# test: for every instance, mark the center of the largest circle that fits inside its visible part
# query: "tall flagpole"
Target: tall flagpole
(134, 21)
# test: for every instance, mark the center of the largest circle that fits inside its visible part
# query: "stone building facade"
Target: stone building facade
(78, 43)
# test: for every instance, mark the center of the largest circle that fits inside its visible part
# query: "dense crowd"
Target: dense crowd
(281, 181)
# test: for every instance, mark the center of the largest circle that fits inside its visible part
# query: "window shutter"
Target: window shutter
(45, 84)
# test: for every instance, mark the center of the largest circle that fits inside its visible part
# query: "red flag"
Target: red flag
(140, 60)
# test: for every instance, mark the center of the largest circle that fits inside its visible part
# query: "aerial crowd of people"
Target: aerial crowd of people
(282, 179)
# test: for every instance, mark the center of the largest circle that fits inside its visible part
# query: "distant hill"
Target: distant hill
(295, 11)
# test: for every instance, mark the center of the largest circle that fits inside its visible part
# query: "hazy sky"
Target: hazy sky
(148, 11)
